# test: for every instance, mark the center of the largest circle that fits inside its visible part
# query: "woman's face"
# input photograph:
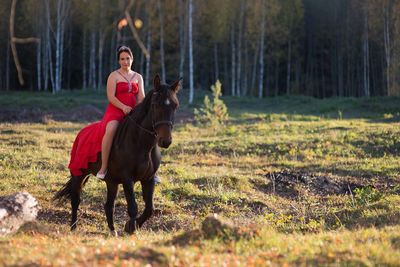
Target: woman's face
(125, 60)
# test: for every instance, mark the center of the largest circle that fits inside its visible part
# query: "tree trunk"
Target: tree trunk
(69, 61)
(297, 75)
(226, 70)
(182, 37)
(261, 58)
(233, 56)
(162, 54)
(148, 59)
(216, 66)
(365, 49)
(289, 67)
(84, 64)
(191, 92)
(39, 54)
(62, 13)
(386, 37)
(100, 79)
(113, 53)
(254, 71)
(39, 67)
(49, 56)
(58, 47)
(245, 71)
(239, 50)
(8, 65)
(276, 91)
(92, 61)
(45, 54)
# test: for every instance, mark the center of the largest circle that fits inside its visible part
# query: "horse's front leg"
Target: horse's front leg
(112, 190)
(130, 225)
(148, 192)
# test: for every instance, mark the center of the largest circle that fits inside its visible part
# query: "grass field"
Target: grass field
(303, 182)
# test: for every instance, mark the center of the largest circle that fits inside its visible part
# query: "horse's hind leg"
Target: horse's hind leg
(76, 187)
(112, 190)
(148, 192)
(130, 225)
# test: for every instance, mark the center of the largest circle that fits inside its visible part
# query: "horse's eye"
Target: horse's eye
(167, 102)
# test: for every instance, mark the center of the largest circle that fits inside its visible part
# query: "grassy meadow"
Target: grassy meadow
(304, 182)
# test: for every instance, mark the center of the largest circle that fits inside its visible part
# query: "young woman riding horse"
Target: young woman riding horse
(134, 154)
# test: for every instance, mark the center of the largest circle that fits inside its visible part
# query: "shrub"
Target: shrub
(367, 195)
(213, 112)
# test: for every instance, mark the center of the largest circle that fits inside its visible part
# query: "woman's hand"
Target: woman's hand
(126, 109)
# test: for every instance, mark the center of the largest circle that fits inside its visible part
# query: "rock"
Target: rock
(15, 210)
(214, 226)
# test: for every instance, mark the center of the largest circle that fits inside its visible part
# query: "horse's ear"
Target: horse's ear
(157, 82)
(177, 85)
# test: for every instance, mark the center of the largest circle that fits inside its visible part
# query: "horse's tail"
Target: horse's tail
(75, 183)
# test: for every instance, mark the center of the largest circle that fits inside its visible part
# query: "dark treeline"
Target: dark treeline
(255, 47)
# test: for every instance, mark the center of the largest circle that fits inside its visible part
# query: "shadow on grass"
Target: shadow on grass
(377, 215)
(380, 144)
(360, 175)
(374, 108)
(146, 256)
(343, 258)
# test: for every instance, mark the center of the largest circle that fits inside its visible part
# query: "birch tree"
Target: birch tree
(262, 47)
(62, 15)
(365, 53)
(190, 40)
(162, 53)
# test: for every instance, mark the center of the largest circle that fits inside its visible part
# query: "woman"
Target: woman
(124, 91)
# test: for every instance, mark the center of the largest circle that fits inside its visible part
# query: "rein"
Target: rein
(153, 133)
(154, 125)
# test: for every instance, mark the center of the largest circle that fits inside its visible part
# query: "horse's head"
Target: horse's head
(164, 103)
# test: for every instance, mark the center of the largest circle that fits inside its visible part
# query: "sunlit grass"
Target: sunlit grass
(225, 170)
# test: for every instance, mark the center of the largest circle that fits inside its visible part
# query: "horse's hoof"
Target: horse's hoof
(73, 226)
(113, 233)
(130, 226)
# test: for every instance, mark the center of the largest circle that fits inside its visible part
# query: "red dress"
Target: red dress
(88, 141)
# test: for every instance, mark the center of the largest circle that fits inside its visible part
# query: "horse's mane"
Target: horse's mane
(137, 115)
(140, 111)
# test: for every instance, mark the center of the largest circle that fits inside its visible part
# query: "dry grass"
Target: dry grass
(291, 174)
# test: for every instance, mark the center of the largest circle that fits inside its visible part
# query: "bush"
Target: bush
(213, 112)
(367, 195)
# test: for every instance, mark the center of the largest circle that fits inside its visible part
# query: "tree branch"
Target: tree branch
(13, 47)
(14, 40)
(134, 32)
(25, 40)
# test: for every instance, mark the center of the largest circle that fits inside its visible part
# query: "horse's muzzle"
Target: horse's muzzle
(164, 142)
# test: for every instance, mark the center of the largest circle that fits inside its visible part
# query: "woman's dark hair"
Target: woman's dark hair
(124, 48)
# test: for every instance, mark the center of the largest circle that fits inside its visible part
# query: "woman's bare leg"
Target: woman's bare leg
(111, 128)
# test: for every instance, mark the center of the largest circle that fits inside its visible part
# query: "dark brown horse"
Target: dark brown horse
(135, 156)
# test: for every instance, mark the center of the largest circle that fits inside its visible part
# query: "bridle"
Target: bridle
(154, 124)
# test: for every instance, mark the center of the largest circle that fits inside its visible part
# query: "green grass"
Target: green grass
(48, 101)
(241, 171)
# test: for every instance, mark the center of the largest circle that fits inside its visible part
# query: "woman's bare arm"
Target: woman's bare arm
(141, 95)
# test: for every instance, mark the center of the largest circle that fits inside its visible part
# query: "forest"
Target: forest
(255, 48)
(296, 164)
